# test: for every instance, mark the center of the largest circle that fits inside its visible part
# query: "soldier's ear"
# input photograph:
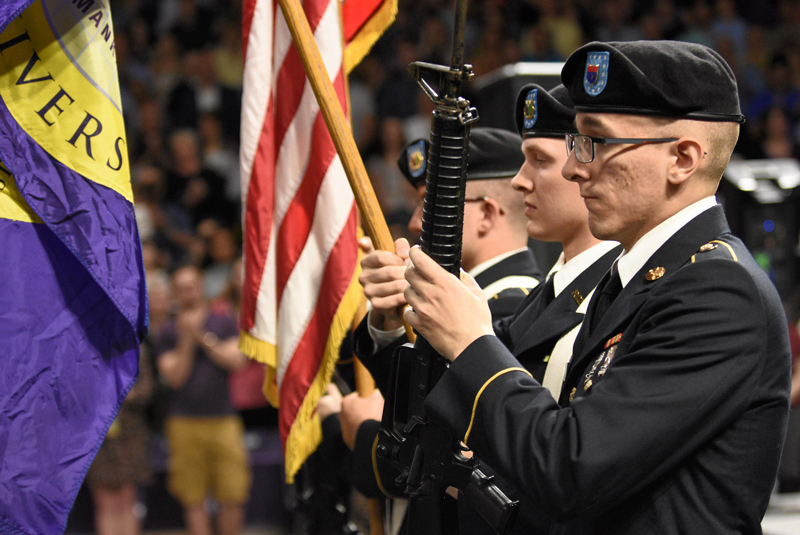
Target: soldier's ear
(491, 211)
(686, 156)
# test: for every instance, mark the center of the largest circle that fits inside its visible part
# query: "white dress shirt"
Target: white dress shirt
(565, 273)
(630, 262)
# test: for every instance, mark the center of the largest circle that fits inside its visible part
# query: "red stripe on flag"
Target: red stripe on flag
(248, 9)
(305, 362)
(296, 224)
(289, 93)
(314, 11)
(261, 191)
(292, 79)
(258, 219)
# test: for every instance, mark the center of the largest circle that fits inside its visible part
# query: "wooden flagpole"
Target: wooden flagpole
(338, 125)
(367, 202)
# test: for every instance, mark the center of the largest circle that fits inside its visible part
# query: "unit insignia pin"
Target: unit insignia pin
(530, 112)
(595, 76)
(417, 162)
(576, 295)
(708, 247)
(655, 274)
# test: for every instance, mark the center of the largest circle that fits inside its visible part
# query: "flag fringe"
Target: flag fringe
(270, 387)
(306, 431)
(267, 354)
(258, 350)
(369, 34)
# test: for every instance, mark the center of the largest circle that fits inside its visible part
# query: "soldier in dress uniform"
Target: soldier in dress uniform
(541, 332)
(494, 250)
(674, 408)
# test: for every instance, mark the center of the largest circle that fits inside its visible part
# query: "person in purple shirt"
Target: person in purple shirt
(196, 351)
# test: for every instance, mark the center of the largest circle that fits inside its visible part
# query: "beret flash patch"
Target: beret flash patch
(596, 75)
(416, 159)
(530, 112)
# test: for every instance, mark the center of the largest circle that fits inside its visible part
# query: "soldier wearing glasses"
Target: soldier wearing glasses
(673, 412)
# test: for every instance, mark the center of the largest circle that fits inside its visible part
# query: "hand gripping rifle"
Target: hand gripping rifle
(427, 457)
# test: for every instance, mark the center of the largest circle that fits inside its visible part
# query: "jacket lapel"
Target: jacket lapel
(673, 254)
(561, 316)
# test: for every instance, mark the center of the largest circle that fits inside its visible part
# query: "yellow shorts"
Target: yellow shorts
(207, 455)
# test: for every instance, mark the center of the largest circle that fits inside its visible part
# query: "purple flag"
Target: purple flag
(73, 304)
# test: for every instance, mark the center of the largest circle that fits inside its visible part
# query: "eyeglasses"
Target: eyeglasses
(583, 145)
(482, 199)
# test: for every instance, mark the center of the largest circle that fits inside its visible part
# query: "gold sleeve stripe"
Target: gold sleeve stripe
(730, 249)
(478, 395)
(375, 468)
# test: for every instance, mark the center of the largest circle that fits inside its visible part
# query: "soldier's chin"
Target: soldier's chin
(600, 229)
(536, 232)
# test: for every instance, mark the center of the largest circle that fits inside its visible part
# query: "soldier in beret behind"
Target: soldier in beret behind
(494, 250)
(674, 407)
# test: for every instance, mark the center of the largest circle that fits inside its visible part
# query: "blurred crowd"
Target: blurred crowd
(181, 68)
(180, 65)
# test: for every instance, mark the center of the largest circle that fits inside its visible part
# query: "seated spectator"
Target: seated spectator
(199, 92)
(220, 158)
(196, 189)
(222, 251)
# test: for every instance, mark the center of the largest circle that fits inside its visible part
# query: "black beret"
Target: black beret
(413, 161)
(542, 113)
(493, 153)
(664, 78)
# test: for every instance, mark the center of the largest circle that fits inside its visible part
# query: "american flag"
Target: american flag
(301, 257)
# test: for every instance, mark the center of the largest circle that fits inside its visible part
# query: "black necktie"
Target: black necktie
(543, 298)
(549, 291)
(610, 291)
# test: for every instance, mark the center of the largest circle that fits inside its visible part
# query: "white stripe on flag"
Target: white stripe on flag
(292, 161)
(257, 88)
(293, 157)
(299, 302)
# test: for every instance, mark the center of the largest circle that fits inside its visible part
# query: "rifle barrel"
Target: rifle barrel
(457, 61)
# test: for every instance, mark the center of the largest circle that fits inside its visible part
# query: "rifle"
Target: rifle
(427, 455)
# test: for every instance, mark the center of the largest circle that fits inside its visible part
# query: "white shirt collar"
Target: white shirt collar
(483, 266)
(565, 273)
(630, 262)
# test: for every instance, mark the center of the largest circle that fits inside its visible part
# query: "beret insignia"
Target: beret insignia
(596, 75)
(417, 163)
(530, 112)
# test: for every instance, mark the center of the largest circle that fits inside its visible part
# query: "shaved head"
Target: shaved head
(509, 200)
(718, 140)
